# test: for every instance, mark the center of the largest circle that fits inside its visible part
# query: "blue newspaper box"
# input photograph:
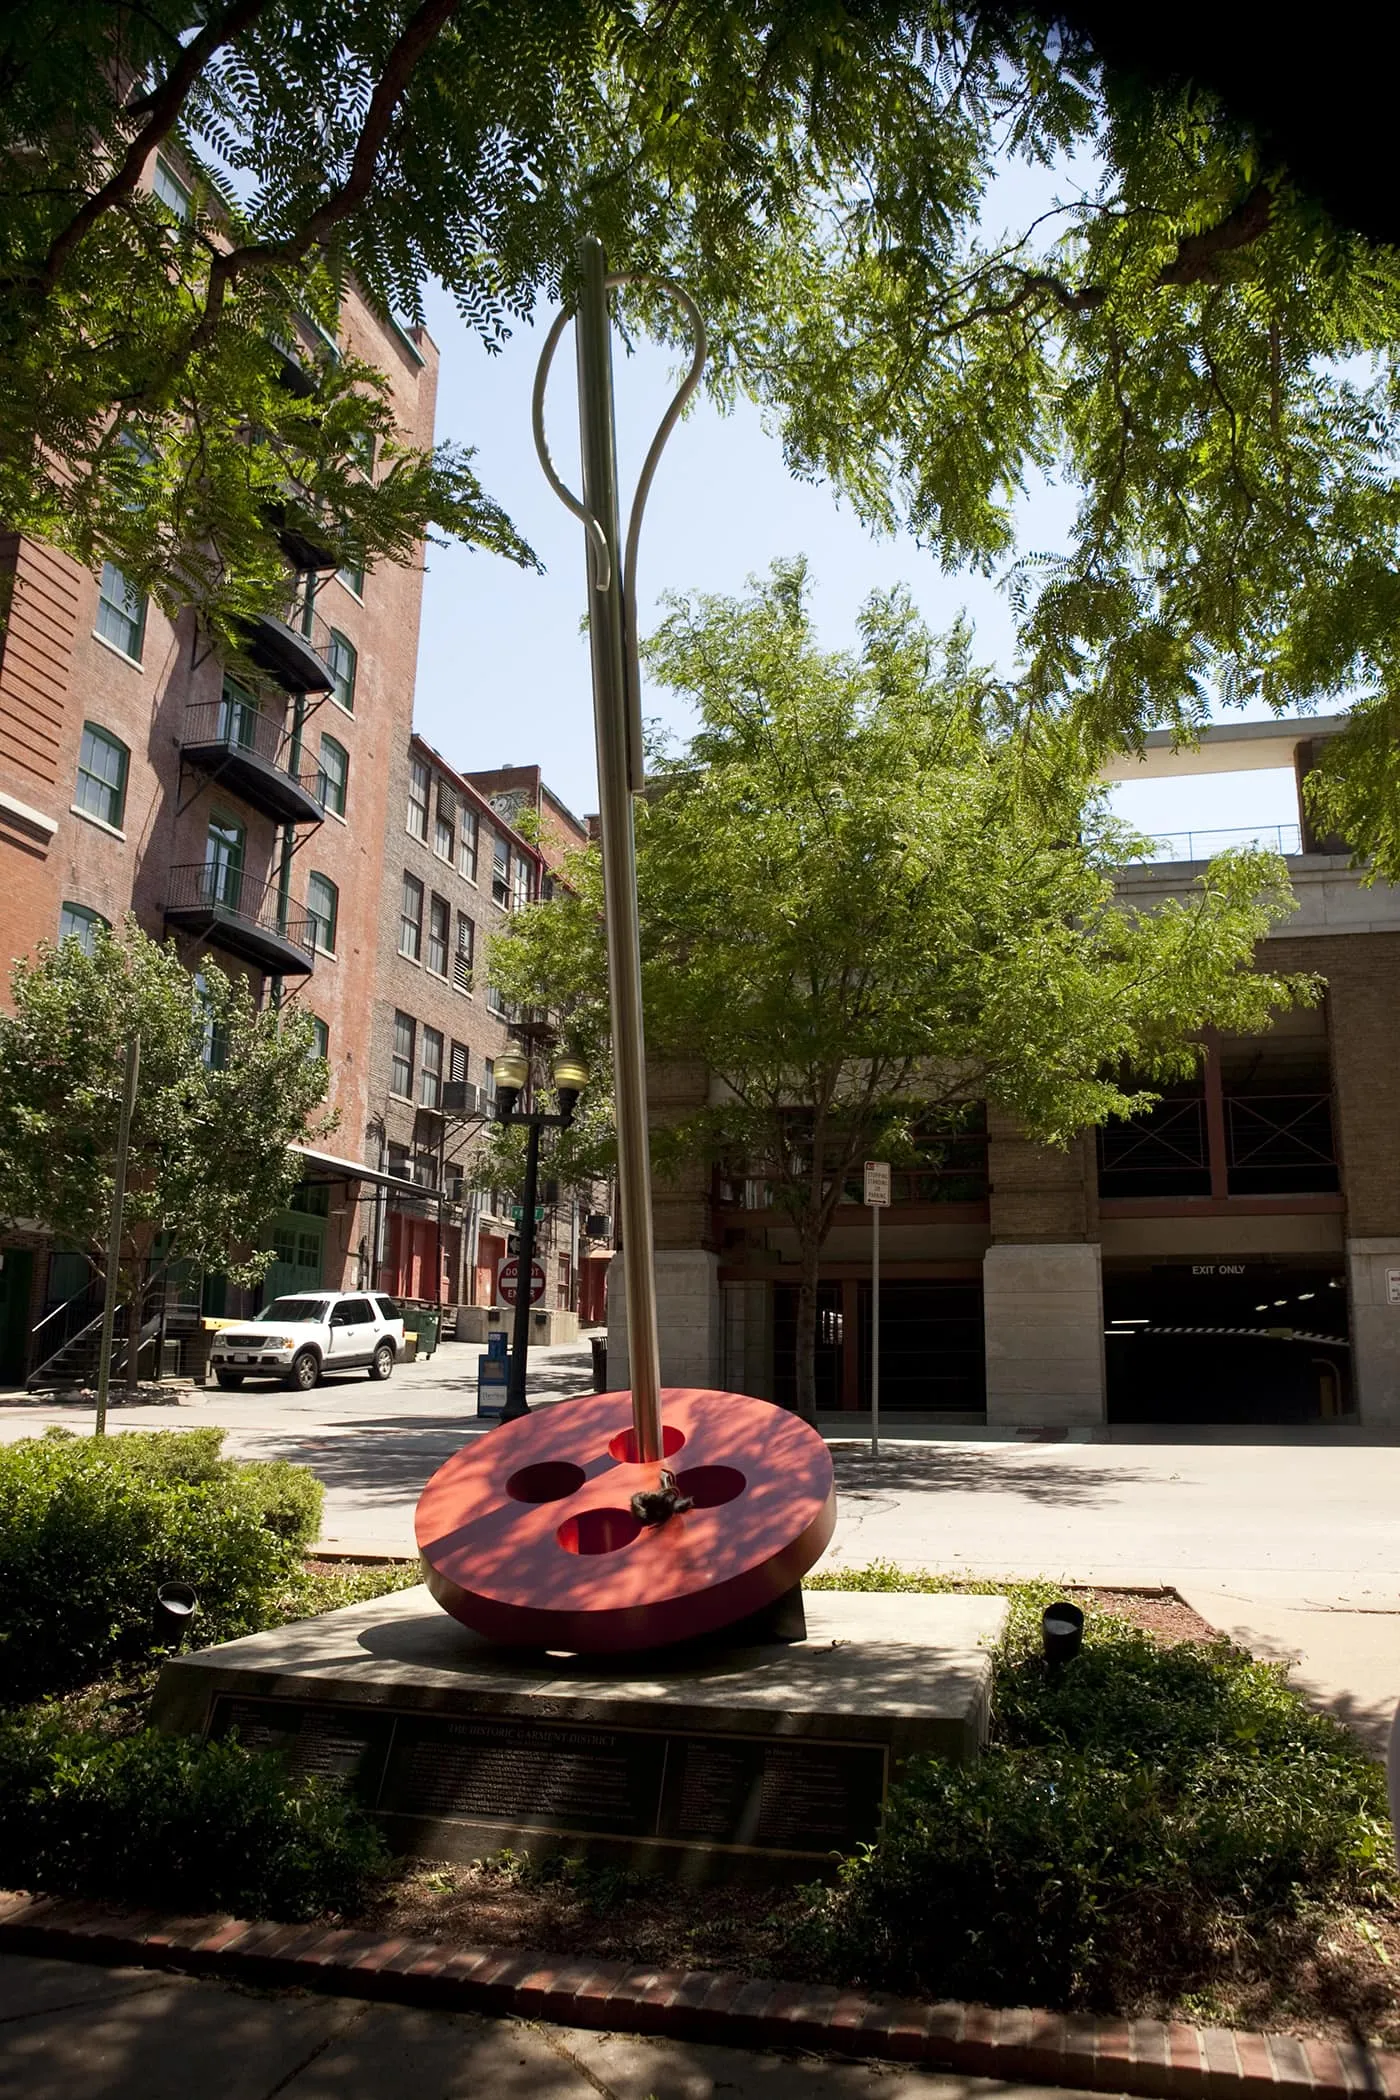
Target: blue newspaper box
(492, 1377)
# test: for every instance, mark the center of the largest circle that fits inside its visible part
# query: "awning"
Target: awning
(331, 1168)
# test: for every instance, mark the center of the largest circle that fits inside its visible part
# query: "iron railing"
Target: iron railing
(229, 892)
(242, 728)
(1201, 845)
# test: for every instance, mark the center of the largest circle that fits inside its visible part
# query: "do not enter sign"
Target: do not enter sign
(508, 1282)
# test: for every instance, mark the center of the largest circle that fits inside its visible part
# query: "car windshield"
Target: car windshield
(294, 1309)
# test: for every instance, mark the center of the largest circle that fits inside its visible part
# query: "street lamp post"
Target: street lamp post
(512, 1078)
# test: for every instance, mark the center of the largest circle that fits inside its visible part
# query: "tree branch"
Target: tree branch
(165, 106)
(423, 28)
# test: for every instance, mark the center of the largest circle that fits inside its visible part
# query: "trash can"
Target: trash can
(599, 1344)
(426, 1319)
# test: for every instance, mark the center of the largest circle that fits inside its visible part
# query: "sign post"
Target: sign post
(877, 1195)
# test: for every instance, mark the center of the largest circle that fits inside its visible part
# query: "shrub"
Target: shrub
(90, 1528)
(168, 1821)
(1135, 1815)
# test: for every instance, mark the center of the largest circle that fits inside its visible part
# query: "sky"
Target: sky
(503, 665)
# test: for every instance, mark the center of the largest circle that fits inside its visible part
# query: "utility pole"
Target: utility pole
(114, 1242)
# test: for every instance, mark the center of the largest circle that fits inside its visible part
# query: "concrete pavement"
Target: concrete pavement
(1287, 1539)
(130, 2034)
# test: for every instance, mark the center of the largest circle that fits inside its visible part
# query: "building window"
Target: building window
(488, 1079)
(520, 882)
(401, 1070)
(496, 1002)
(213, 1045)
(175, 195)
(430, 1077)
(411, 919)
(398, 1157)
(342, 662)
(470, 824)
(420, 780)
(466, 951)
(77, 922)
(352, 575)
(439, 925)
(322, 905)
(335, 775)
(458, 1062)
(500, 872)
(223, 862)
(121, 612)
(320, 1037)
(444, 838)
(238, 715)
(102, 763)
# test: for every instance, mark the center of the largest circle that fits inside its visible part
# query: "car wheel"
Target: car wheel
(231, 1381)
(382, 1362)
(306, 1371)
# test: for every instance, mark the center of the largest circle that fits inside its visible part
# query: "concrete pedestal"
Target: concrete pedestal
(1043, 1309)
(711, 1761)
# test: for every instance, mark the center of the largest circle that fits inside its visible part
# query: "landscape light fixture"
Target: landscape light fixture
(176, 1605)
(1061, 1632)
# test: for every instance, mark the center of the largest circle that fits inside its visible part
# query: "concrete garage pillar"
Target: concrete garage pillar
(1043, 1308)
(687, 1318)
(1375, 1330)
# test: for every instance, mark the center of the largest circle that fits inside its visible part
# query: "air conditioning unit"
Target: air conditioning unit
(597, 1226)
(460, 1098)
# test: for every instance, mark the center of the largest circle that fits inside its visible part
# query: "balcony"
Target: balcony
(297, 526)
(289, 658)
(250, 752)
(248, 918)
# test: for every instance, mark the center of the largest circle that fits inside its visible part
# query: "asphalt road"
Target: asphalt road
(1290, 1539)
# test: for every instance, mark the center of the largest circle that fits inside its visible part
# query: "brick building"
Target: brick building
(1233, 1256)
(511, 789)
(455, 868)
(240, 810)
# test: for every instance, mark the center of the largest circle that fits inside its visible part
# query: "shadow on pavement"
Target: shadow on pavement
(950, 1469)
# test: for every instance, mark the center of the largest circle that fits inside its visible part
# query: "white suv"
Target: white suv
(298, 1338)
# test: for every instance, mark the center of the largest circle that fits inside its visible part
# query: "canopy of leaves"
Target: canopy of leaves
(1183, 338)
(209, 1162)
(862, 893)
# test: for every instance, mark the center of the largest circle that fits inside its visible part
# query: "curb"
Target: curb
(1150, 2057)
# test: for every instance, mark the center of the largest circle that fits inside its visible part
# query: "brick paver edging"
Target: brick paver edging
(1173, 2061)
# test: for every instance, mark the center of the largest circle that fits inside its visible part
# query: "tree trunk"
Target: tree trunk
(806, 1366)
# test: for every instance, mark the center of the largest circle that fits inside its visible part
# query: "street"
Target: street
(1287, 1539)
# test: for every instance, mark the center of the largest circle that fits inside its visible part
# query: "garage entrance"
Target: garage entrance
(1219, 1341)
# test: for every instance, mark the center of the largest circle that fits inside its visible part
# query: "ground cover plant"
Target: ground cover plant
(92, 1801)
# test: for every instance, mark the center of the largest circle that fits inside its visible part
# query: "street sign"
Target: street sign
(877, 1182)
(517, 1214)
(508, 1282)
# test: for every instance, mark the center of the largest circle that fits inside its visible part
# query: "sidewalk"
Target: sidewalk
(135, 2034)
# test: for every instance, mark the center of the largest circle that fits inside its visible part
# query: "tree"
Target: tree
(859, 915)
(224, 1089)
(1181, 335)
